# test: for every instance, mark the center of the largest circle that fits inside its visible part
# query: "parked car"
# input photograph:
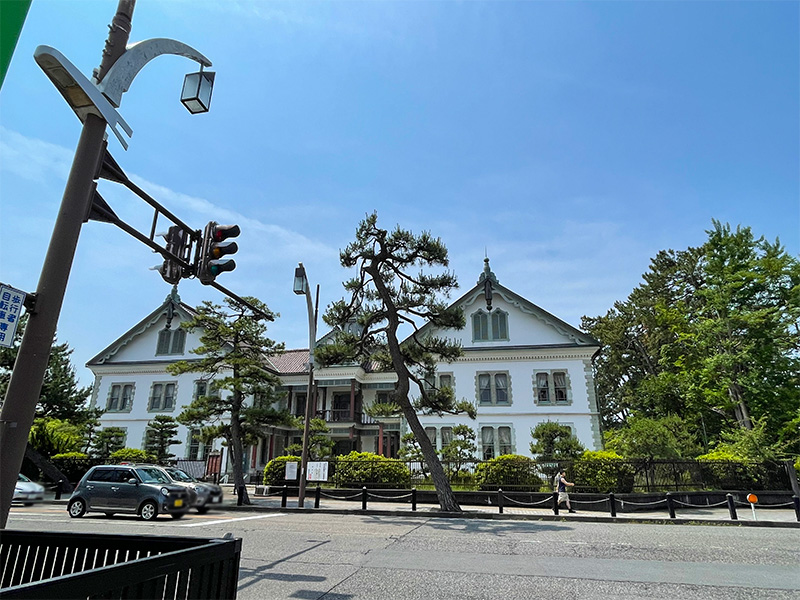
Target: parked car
(143, 490)
(208, 494)
(27, 491)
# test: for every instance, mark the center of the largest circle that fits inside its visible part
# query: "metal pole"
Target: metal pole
(24, 387)
(310, 404)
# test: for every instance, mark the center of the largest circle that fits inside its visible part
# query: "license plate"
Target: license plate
(178, 503)
(216, 499)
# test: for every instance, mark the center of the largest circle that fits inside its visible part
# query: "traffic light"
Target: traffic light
(215, 247)
(176, 238)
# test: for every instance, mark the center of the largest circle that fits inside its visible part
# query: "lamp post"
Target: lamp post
(301, 288)
(94, 102)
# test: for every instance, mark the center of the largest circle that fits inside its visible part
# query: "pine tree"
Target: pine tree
(159, 436)
(234, 352)
(386, 296)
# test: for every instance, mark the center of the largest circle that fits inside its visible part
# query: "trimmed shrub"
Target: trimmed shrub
(602, 471)
(72, 464)
(275, 471)
(510, 471)
(359, 469)
(724, 470)
(133, 455)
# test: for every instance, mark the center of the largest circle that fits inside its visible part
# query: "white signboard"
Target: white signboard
(11, 301)
(291, 471)
(317, 471)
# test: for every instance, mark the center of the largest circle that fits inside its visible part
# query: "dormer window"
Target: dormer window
(171, 341)
(489, 327)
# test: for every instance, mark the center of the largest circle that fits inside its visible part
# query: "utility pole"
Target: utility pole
(25, 384)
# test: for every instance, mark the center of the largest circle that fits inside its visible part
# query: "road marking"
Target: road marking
(218, 521)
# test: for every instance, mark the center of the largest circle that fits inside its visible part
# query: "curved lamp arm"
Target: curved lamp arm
(119, 77)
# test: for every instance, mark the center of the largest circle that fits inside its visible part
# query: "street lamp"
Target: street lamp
(94, 102)
(301, 288)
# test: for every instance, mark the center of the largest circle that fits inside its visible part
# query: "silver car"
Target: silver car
(27, 491)
(208, 494)
(142, 490)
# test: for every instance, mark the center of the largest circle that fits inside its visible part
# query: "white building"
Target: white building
(521, 366)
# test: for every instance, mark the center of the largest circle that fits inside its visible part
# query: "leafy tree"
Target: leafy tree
(554, 442)
(61, 396)
(320, 444)
(386, 296)
(461, 449)
(134, 455)
(234, 350)
(107, 441)
(710, 335)
(644, 437)
(159, 436)
(53, 436)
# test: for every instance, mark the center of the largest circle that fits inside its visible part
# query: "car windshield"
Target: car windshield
(179, 475)
(152, 475)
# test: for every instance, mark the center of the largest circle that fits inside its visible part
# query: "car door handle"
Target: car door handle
(114, 488)
(89, 487)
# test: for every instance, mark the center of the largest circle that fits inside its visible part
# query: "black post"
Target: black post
(317, 495)
(239, 495)
(796, 502)
(364, 498)
(670, 505)
(284, 495)
(500, 499)
(414, 501)
(612, 503)
(555, 503)
(732, 507)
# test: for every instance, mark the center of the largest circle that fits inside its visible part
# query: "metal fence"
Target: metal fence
(622, 476)
(74, 565)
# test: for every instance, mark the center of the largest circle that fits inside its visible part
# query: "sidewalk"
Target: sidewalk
(764, 517)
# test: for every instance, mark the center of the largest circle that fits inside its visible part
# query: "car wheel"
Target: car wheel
(202, 509)
(27, 503)
(149, 511)
(177, 515)
(109, 514)
(76, 508)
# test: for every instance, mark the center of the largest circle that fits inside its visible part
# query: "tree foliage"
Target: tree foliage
(710, 335)
(553, 442)
(461, 449)
(107, 441)
(389, 294)
(159, 436)
(234, 351)
(645, 437)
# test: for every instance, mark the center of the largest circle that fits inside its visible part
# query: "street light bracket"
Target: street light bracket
(119, 77)
(81, 94)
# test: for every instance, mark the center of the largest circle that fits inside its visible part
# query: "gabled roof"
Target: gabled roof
(488, 286)
(172, 304)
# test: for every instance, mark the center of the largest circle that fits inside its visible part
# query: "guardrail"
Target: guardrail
(45, 565)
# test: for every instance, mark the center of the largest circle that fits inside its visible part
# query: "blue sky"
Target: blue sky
(571, 141)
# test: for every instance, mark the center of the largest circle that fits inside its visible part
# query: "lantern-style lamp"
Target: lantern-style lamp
(300, 280)
(196, 93)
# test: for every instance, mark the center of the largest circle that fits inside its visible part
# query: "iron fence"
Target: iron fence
(73, 565)
(621, 476)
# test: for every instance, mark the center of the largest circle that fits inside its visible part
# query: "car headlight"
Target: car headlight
(165, 491)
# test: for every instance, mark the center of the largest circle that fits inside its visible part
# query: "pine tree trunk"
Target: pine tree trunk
(237, 449)
(741, 410)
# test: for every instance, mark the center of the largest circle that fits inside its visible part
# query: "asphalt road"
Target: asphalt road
(343, 557)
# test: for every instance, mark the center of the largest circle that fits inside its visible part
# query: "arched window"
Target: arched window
(480, 327)
(489, 327)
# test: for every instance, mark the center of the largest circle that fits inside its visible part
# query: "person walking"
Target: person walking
(562, 484)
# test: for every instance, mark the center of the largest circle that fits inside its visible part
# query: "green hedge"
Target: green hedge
(510, 471)
(275, 471)
(602, 472)
(73, 464)
(366, 469)
(727, 471)
(133, 455)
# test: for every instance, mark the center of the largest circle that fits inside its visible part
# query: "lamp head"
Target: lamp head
(196, 93)
(300, 280)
